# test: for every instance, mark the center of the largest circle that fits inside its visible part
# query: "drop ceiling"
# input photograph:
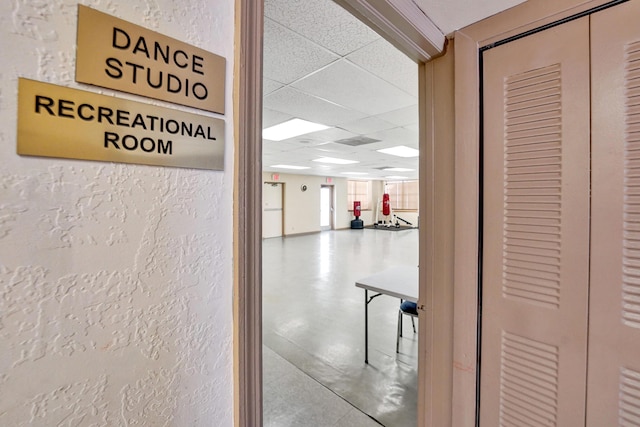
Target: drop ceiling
(323, 65)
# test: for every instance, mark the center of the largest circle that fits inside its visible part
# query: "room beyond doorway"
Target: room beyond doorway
(314, 280)
(313, 317)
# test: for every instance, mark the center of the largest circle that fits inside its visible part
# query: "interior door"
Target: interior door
(326, 207)
(535, 268)
(272, 213)
(613, 397)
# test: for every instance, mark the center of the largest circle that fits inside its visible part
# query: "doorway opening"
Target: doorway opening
(326, 207)
(313, 315)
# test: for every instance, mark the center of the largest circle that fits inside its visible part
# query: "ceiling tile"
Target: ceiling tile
(272, 118)
(269, 86)
(306, 140)
(331, 147)
(368, 125)
(401, 117)
(289, 56)
(385, 61)
(296, 157)
(393, 137)
(332, 134)
(352, 87)
(413, 128)
(323, 22)
(278, 146)
(290, 157)
(307, 107)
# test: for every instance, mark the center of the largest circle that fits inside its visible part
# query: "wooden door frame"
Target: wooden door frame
(404, 25)
(247, 207)
(520, 19)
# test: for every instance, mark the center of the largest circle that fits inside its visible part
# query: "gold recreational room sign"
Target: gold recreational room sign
(55, 121)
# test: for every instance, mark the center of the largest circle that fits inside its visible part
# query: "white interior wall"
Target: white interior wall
(302, 208)
(115, 279)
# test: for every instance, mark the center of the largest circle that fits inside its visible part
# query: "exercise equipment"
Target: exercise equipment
(387, 213)
(403, 220)
(390, 218)
(386, 204)
(357, 223)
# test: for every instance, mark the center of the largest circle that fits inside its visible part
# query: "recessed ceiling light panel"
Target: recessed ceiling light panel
(290, 129)
(335, 161)
(397, 170)
(290, 167)
(400, 151)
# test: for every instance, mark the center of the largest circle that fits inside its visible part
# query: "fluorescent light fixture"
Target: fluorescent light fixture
(396, 177)
(291, 128)
(355, 173)
(397, 170)
(290, 167)
(400, 151)
(335, 161)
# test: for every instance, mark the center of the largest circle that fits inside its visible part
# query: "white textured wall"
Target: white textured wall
(115, 280)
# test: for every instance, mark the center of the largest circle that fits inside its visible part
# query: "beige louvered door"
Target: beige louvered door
(613, 397)
(535, 229)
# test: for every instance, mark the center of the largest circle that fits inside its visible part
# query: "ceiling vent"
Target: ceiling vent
(357, 141)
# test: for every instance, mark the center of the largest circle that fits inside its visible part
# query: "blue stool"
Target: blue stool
(407, 308)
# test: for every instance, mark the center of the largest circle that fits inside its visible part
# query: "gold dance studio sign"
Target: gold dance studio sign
(119, 55)
(56, 121)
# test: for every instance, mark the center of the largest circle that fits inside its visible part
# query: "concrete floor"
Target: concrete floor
(313, 318)
(292, 398)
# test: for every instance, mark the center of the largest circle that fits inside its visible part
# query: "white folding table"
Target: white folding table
(400, 281)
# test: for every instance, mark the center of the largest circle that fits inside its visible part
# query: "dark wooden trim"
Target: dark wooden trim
(248, 214)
